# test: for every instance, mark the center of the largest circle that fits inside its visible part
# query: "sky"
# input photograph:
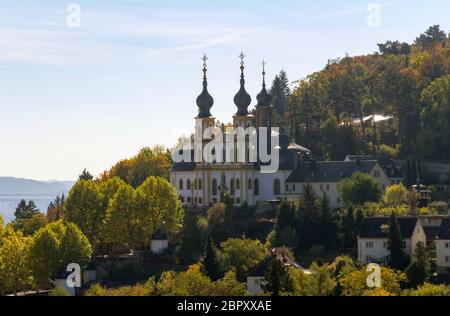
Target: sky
(88, 94)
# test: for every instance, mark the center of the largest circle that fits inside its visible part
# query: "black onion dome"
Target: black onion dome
(204, 101)
(242, 99)
(264, 98)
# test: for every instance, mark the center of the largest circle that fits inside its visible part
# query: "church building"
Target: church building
(200, 183)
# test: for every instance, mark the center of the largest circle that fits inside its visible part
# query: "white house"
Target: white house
(443, 247)
(374, 236)
(256, 276)
(159, 242)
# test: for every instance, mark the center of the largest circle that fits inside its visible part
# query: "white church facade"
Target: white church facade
(199, 183)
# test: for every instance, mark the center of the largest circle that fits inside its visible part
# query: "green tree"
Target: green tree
(432, 36)
(44, 255)
(161, 206)
(74, 246)
(398, 259)
(308, 209)
(358, 189)
(210, 262)
(227, 286)
(418, 271)
(15, 271)
(85, 175)
(277, 279)
(25, 210)
(31, 225)
(241, 254)
(85, 208)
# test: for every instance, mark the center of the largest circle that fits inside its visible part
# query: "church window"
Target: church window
(256, 189)
(199, 184)
(250, 184)
(181, 184)
(188, 184)
(232, 187)
(238, 184)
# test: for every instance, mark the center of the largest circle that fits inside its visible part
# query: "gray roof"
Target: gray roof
(329, 171)
(371, 227)
(444, 231)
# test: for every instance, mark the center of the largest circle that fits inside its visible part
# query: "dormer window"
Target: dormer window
(385, 228)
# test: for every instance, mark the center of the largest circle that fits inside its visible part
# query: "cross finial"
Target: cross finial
(264, 72)
(242, 56)
(204, 58)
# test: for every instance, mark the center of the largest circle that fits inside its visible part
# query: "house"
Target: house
(443, 247)
(390, 168)
(374, 236)
(256, 276)
(324, 176)
(159, 242)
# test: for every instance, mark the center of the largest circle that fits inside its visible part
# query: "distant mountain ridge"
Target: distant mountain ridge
(28, 187)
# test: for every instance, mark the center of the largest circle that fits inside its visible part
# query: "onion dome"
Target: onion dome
(264, 98)
(242, 99)
(204, 101)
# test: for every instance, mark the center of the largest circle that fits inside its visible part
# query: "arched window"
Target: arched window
(199, 184)
(214, 187)
(232, 187)
(181, 184)
(238, 184)
(256, 189)
(195, 184)
(188, 184)
(276, 187)
(250, 186)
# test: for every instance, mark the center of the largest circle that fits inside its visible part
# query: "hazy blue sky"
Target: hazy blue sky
(128, 77)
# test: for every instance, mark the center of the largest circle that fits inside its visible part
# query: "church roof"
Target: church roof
(328, 171)
(242, 99)
(204, 101)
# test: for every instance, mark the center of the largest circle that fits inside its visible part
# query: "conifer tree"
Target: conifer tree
(210, 262)
(398, 259)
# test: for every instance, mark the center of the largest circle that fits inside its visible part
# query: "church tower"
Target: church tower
(204, 118)
(264, 108)
(242, 100)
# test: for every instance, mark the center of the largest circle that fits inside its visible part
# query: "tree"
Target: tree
(429, 290)
(318, 283)
(397, 259)
(55, 210)
(280, 94)
(74, 246)
(161, 207)
(31, 225)
(123, 225)
(44, 255)
(277, 279)
(354, 283)
(358, 189)
(148, 162)
(25, 210)
(308, 204)
(432, 36)
(85, 175)
(210, 262)
(15, 272)
(85, 208)
(349, 229)
(241, 254)
(395, 195)
(193, 238)
(434, 138)
(219, 222)
(227, 286)
(418, 270)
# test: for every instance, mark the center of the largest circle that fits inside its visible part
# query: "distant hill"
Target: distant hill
(17, 186)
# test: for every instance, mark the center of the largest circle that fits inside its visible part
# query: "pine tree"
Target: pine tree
(85, 175)
(418, 270)
(308, 204)
(210, 262)
(277, 279)
(25, 210)
(398, 259)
